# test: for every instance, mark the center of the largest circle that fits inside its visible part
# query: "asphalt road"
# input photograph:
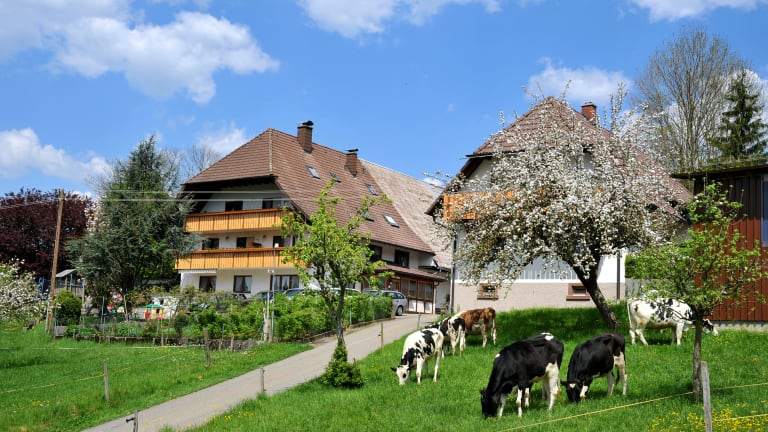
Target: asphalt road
(197, 408)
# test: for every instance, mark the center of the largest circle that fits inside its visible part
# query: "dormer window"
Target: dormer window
(391, 220)
(313, 171)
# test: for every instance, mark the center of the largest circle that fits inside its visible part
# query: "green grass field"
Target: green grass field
(658, 395)
(58, 385)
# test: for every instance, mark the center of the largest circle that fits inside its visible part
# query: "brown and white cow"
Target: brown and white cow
(480, 321)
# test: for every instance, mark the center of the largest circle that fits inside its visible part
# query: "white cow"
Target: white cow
(661, 313)
(418, 348)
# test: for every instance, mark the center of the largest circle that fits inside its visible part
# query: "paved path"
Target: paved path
(197, 408)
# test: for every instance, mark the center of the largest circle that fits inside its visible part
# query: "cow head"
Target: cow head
(402, 372)
(573, 390)
(709, 327)
(489, 403)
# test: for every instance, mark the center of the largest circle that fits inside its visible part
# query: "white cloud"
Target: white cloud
(223, 140)
(98, 37)
(351, 18)
(23, 154)
(672, 10)
(587, 84)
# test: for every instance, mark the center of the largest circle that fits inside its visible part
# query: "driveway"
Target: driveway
(197, 408)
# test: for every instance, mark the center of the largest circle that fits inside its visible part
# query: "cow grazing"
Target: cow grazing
(659, 314)
(519, 365)
(596, 358)
(453, 333)
(480, 321)
(419, 347)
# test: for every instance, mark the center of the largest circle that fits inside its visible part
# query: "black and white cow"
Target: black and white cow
(453, 329)
(418, 348)
(596, 358)
(519, 365)
(659, 314)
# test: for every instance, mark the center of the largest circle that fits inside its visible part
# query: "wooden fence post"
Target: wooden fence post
(106, 380)
(707, 400)
(263, 391)
(207, 349)
(381, 335)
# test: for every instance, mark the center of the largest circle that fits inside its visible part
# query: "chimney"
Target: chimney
(304, 134)
(589, 110)
(351, 164)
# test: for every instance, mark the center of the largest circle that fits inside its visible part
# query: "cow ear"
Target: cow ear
(565, 383)
(394, 369)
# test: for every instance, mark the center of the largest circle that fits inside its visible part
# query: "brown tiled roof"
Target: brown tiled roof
(277, 156)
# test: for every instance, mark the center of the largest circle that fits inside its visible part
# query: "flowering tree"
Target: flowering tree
(18, 294)
(562, 188)
(712, 265)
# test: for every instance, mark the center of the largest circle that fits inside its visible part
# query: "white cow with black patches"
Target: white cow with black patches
(419, 347)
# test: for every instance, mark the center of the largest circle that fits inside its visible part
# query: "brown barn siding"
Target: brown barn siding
(746, 189)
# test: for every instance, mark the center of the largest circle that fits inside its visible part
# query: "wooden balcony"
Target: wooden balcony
(232, 258)
(242, 220)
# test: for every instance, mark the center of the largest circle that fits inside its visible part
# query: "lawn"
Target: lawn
(658, 395)
(58, 384)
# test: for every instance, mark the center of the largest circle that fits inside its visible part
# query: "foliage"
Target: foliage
(334, 255)
(683, 85)
(564, 192)
(741, 135)
(340, 372)
(19, 299)
(712, 265)
(28, 228)
(138, 231)
(68, 307)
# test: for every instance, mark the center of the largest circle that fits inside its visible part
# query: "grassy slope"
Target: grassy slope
(658, 399)
(57, 385)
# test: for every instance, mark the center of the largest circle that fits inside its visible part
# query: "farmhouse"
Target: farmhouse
(239, 202)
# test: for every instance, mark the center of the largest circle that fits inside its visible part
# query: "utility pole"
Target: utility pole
(52, 291)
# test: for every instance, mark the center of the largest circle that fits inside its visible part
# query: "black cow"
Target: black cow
(596, 358)
(519, 365)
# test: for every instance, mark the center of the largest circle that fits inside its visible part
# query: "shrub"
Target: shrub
(68, 308)
(341, 373)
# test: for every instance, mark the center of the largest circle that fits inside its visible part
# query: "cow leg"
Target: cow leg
(419, 364)
(611, 382)
(485, 335)
(462, 343)
(642, 338)
(584, 390)
(437, 365)
(678, 332)
(493, 334)
(519, 401)
(527, 396)
(632, 335)
(621, 370)
(501, 405)
(551, 383)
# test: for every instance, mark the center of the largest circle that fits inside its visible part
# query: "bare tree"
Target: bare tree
(197, 158)
(683, 86)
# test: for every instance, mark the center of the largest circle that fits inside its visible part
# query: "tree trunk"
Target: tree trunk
(590, 284)
(697, 358)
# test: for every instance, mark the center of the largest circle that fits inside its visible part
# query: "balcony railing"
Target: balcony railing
(242, 220)
(232, 258)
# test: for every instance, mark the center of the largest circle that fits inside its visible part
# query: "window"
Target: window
(207, 283)
(284, 282)
(277, 240)
(402, 258)
(211, 243)
(577, 292)
(242, 284)
(376, 252)
(391, 220)
(335, 177)
(487, 292)
(267, 204)
(233, 206)
(313, 171)
(366, 215)
(241, 242)
(371, 189)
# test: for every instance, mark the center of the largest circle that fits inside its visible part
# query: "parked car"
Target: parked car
(399, 302)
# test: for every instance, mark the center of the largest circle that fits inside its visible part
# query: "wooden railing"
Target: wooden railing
(232, 258)
(243, 220)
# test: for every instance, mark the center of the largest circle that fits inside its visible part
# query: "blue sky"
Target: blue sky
(415, 85)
